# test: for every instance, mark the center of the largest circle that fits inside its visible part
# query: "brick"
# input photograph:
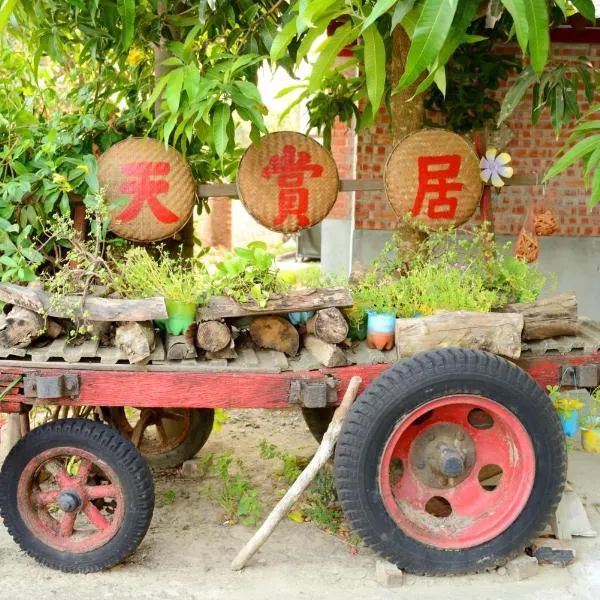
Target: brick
(388, 575)
(522, 568)
(549, 551)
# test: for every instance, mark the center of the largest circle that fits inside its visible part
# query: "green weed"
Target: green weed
(169, 496)
(291, 466)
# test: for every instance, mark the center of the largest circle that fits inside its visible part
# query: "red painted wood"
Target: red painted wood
(546, 369)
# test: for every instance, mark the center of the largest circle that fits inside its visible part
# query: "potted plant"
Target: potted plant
(182, 282)
(567, 408)
(590, 426)
(378, 302)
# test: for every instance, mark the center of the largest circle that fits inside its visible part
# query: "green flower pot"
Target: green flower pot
(181, 316)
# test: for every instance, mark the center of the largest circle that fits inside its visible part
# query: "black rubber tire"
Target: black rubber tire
(202, 421)
(108, 445)
(413, 383)
(317, 420)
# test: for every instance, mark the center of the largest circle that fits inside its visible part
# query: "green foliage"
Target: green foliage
(291, 466)
(447, 271)
(248, 273)
(169, 496)
(235, 494)
(142, 275)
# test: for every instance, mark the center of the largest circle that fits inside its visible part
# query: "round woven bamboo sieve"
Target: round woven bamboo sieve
(402, 178)
(287, 181)
(150, 189)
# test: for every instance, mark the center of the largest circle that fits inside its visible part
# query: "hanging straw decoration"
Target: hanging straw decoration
(545, 221)
(528, 245)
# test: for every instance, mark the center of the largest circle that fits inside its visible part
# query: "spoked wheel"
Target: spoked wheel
(165, 436)
(76, 495)
(451, 450)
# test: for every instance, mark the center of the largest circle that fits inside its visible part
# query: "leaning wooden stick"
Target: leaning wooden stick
(319, 459)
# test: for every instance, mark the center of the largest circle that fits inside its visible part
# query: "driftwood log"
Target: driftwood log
(213, 336)
(275, 333)
(329, 355)
(321, 456)
(92, 309)
(136, 340)
(20, 327)
(328, 325)
(221, 307)
(547, 318)
(499, 333)
(179, 347)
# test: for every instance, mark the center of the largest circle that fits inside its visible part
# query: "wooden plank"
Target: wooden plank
(93, 309)
(220, 307)
(219, 190)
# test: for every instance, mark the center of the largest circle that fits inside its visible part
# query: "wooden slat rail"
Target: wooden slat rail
(213, 190)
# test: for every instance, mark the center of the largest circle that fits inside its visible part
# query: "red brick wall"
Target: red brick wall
(532, 150)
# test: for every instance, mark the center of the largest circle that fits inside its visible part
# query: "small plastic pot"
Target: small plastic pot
(181, 316)
(299, 318)
(381, 328)
(569, 422)
(590, 435)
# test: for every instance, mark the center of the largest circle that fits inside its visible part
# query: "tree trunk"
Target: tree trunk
(136, 340)
(275, 333)
(213, 336)
(329, 325)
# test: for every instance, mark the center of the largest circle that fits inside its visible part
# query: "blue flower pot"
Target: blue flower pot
(381, 329)
(569, 422)
(299, 318)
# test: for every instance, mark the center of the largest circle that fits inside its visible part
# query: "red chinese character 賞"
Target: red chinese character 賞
(290, 169)
(146, 189)
(433, 180)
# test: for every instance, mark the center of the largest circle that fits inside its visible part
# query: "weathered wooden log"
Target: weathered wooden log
(499, 333)
(328, 325)
(53, 329)
(227, 353)
(275, 333)
(93, 309)
(329, 355)
(213, 336)
(20, 327)
(547, 318)
(220, 307)
(179, 347)
(136, 340)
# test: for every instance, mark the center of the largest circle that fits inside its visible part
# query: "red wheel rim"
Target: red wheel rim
(70, 500)
(438, 460)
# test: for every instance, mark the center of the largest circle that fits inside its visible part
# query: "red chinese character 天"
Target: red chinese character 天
(146, 189)
(290, 169)
(434, 180)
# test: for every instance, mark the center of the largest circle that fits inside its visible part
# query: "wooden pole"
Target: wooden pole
(319, 459)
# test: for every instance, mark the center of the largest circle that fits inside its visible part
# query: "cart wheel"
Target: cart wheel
(451, 462)
(76, 496)
(165, 436)
(317, 420)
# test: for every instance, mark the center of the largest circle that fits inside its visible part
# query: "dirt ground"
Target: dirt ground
(187, 551)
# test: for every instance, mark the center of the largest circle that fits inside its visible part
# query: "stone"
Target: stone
(189, 468)
(388, 575)
(549, 551)
(523, 567)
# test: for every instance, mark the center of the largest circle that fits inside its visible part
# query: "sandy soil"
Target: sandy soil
(187, 551)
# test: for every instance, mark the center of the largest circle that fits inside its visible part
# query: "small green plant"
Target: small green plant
(563, 404)
(235, 494)
(169, 496)
(248, 274)
(291, 466)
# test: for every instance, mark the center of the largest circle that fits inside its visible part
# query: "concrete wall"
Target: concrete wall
(575, 261)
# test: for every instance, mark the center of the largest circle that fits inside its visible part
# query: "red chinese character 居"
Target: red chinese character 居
(146, 189)
(293, 198)
(433, 180)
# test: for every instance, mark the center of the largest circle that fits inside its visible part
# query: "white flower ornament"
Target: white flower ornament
(494, 167)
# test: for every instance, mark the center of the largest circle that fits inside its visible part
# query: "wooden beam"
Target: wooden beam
(93, 309)
(214, 190)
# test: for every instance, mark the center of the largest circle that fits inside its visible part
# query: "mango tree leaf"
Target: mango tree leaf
(126, 10)
(539, 34)
(516, 8)
(586, 8)
(381, 6)
(374, 65)
(595, 189)
(516, 93)
(173, 89)
(402, 9)
(329, 50)
(221, 116)
(5, 11)
(282, 40)
(429, 36)
(572, 155)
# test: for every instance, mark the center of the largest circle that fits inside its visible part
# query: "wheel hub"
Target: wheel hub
(442, 455)
(69, 501)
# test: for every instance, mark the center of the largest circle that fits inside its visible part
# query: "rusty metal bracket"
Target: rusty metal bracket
(51, 386)
(313, 394)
